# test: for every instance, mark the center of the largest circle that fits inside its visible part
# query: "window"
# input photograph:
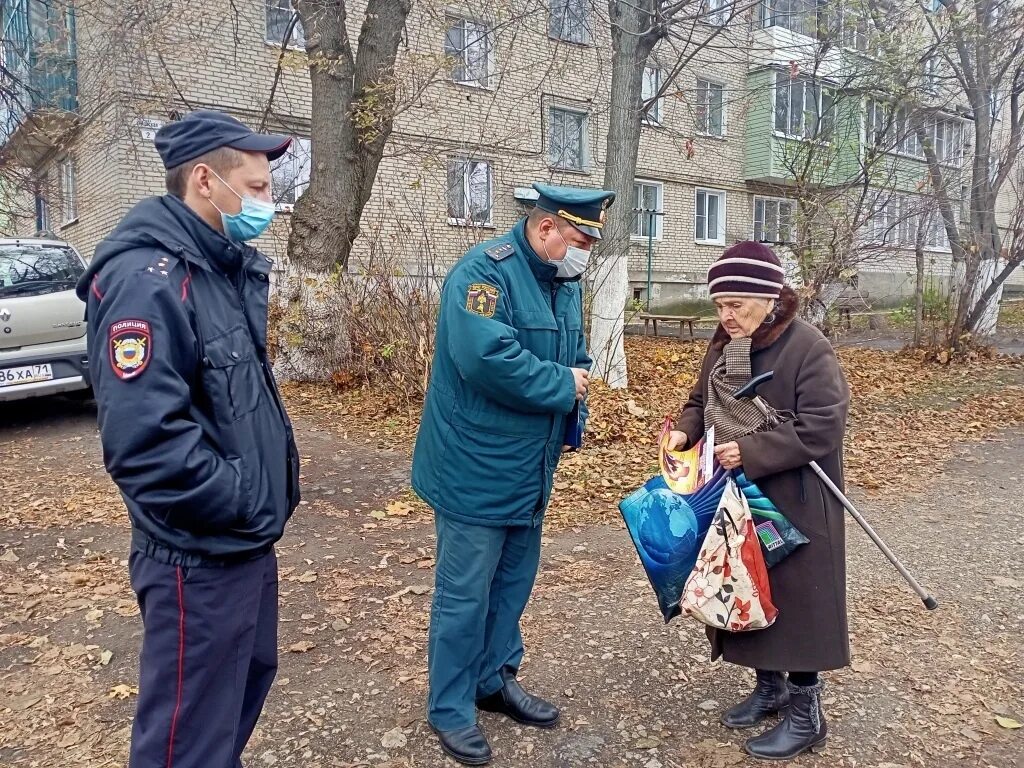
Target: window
(570, 21)
(717, 12)
(800, 16)
(931, 74)
(470, 192)
(567, 142)
(936, 236)
(29, 269)
(710, 108)
(858, 30)
(709, 217)
(652, 82)
(947, 138)
(469, 44)
(647, 196)
(803, 108)
(68, 193)
(773, 220)
(290, 174)
(996, 103)
(279, 16)
(42, 205)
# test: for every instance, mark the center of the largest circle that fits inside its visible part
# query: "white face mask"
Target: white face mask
(573, 264)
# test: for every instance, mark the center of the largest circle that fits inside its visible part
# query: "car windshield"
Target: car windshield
(30, 269)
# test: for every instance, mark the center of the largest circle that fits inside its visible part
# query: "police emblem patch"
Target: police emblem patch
(482, 299)
(130, 348)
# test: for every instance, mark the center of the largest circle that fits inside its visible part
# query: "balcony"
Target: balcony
(41, 79)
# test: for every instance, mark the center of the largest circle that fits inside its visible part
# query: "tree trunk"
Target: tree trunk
(919, 285)
(816, 308)
(632, 43)
(353, 107)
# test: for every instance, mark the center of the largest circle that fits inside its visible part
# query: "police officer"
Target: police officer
(196, 437)
(509, 376)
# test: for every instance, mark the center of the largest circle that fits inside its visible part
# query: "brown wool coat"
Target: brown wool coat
(808, 587)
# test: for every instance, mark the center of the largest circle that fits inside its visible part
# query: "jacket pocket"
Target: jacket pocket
(231, 373)
(537, 331)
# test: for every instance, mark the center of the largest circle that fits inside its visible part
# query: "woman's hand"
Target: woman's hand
(676, 440)
(728, 455)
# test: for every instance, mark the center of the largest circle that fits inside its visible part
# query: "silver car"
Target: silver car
(42, 321)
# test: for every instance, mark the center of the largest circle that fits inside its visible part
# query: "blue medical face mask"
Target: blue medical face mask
(250, 222)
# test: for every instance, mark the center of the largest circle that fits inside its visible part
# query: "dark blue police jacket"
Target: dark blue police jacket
(194, 431)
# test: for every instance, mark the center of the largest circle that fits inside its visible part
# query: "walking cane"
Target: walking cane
(749, 392)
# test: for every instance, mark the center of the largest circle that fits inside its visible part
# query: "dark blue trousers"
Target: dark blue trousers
(209, 656)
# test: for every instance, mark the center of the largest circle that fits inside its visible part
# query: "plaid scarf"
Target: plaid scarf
(731, 418)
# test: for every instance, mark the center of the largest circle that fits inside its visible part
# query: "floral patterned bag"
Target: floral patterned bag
(728, 588)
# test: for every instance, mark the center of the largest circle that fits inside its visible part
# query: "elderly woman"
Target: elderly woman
(760, 332)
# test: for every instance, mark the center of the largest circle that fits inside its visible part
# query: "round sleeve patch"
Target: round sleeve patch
(130, 348)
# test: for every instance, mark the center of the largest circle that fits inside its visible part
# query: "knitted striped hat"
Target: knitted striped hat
(747, 269)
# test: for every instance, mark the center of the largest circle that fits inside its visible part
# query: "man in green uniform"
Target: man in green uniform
(506, 397)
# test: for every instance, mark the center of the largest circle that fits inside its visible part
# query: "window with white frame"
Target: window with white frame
(470, 44)
(68, 191)
(803, 108)
(717, 12)
(893, 130)
(470, 192)
(931, 73)
(652, 82)
(709, 217)
(567, 139)
(570, 21)
(897, 219)
(858, 29)
(278, 17)
(648, 199)
(710, 113)
(290, 174)
(773, 220)
(996, 103)
(800, 16)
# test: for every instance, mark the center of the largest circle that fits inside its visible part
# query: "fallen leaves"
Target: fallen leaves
(1008, 722)
(303, 646)
(122, 691)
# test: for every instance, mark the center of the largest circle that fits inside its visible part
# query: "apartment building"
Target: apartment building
(492, 97)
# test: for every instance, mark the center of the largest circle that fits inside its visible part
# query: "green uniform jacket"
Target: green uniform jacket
(500, 389)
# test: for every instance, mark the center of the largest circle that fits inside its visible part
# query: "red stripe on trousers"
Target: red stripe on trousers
(181, 666)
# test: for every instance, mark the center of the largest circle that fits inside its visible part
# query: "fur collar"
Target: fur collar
(785, 313)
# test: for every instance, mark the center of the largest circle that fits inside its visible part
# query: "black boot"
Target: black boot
(802, 729)
(467, 745)
(770, 696)
(522, 707)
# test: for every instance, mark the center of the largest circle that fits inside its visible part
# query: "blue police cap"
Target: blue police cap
(583, 208)
(205, 130)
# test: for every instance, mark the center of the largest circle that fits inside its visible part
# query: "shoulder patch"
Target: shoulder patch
(482, 299)
(500, 251)
(131, 345)
(162, 264)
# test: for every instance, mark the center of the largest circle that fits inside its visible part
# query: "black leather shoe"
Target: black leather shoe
(522, 707)
(770, 696)
(802, 729)
(467, 745)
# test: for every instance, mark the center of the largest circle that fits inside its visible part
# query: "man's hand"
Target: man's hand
(676, 440)
(582, 377)
(728, 455)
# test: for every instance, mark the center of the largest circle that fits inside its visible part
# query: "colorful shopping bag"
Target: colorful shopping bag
(728, 588)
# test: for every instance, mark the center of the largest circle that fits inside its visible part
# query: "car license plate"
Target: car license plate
(26, 374)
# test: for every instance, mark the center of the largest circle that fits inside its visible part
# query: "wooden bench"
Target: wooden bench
(683, 320)
(850, 302)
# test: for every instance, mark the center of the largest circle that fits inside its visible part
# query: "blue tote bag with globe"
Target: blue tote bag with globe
(669, 515)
